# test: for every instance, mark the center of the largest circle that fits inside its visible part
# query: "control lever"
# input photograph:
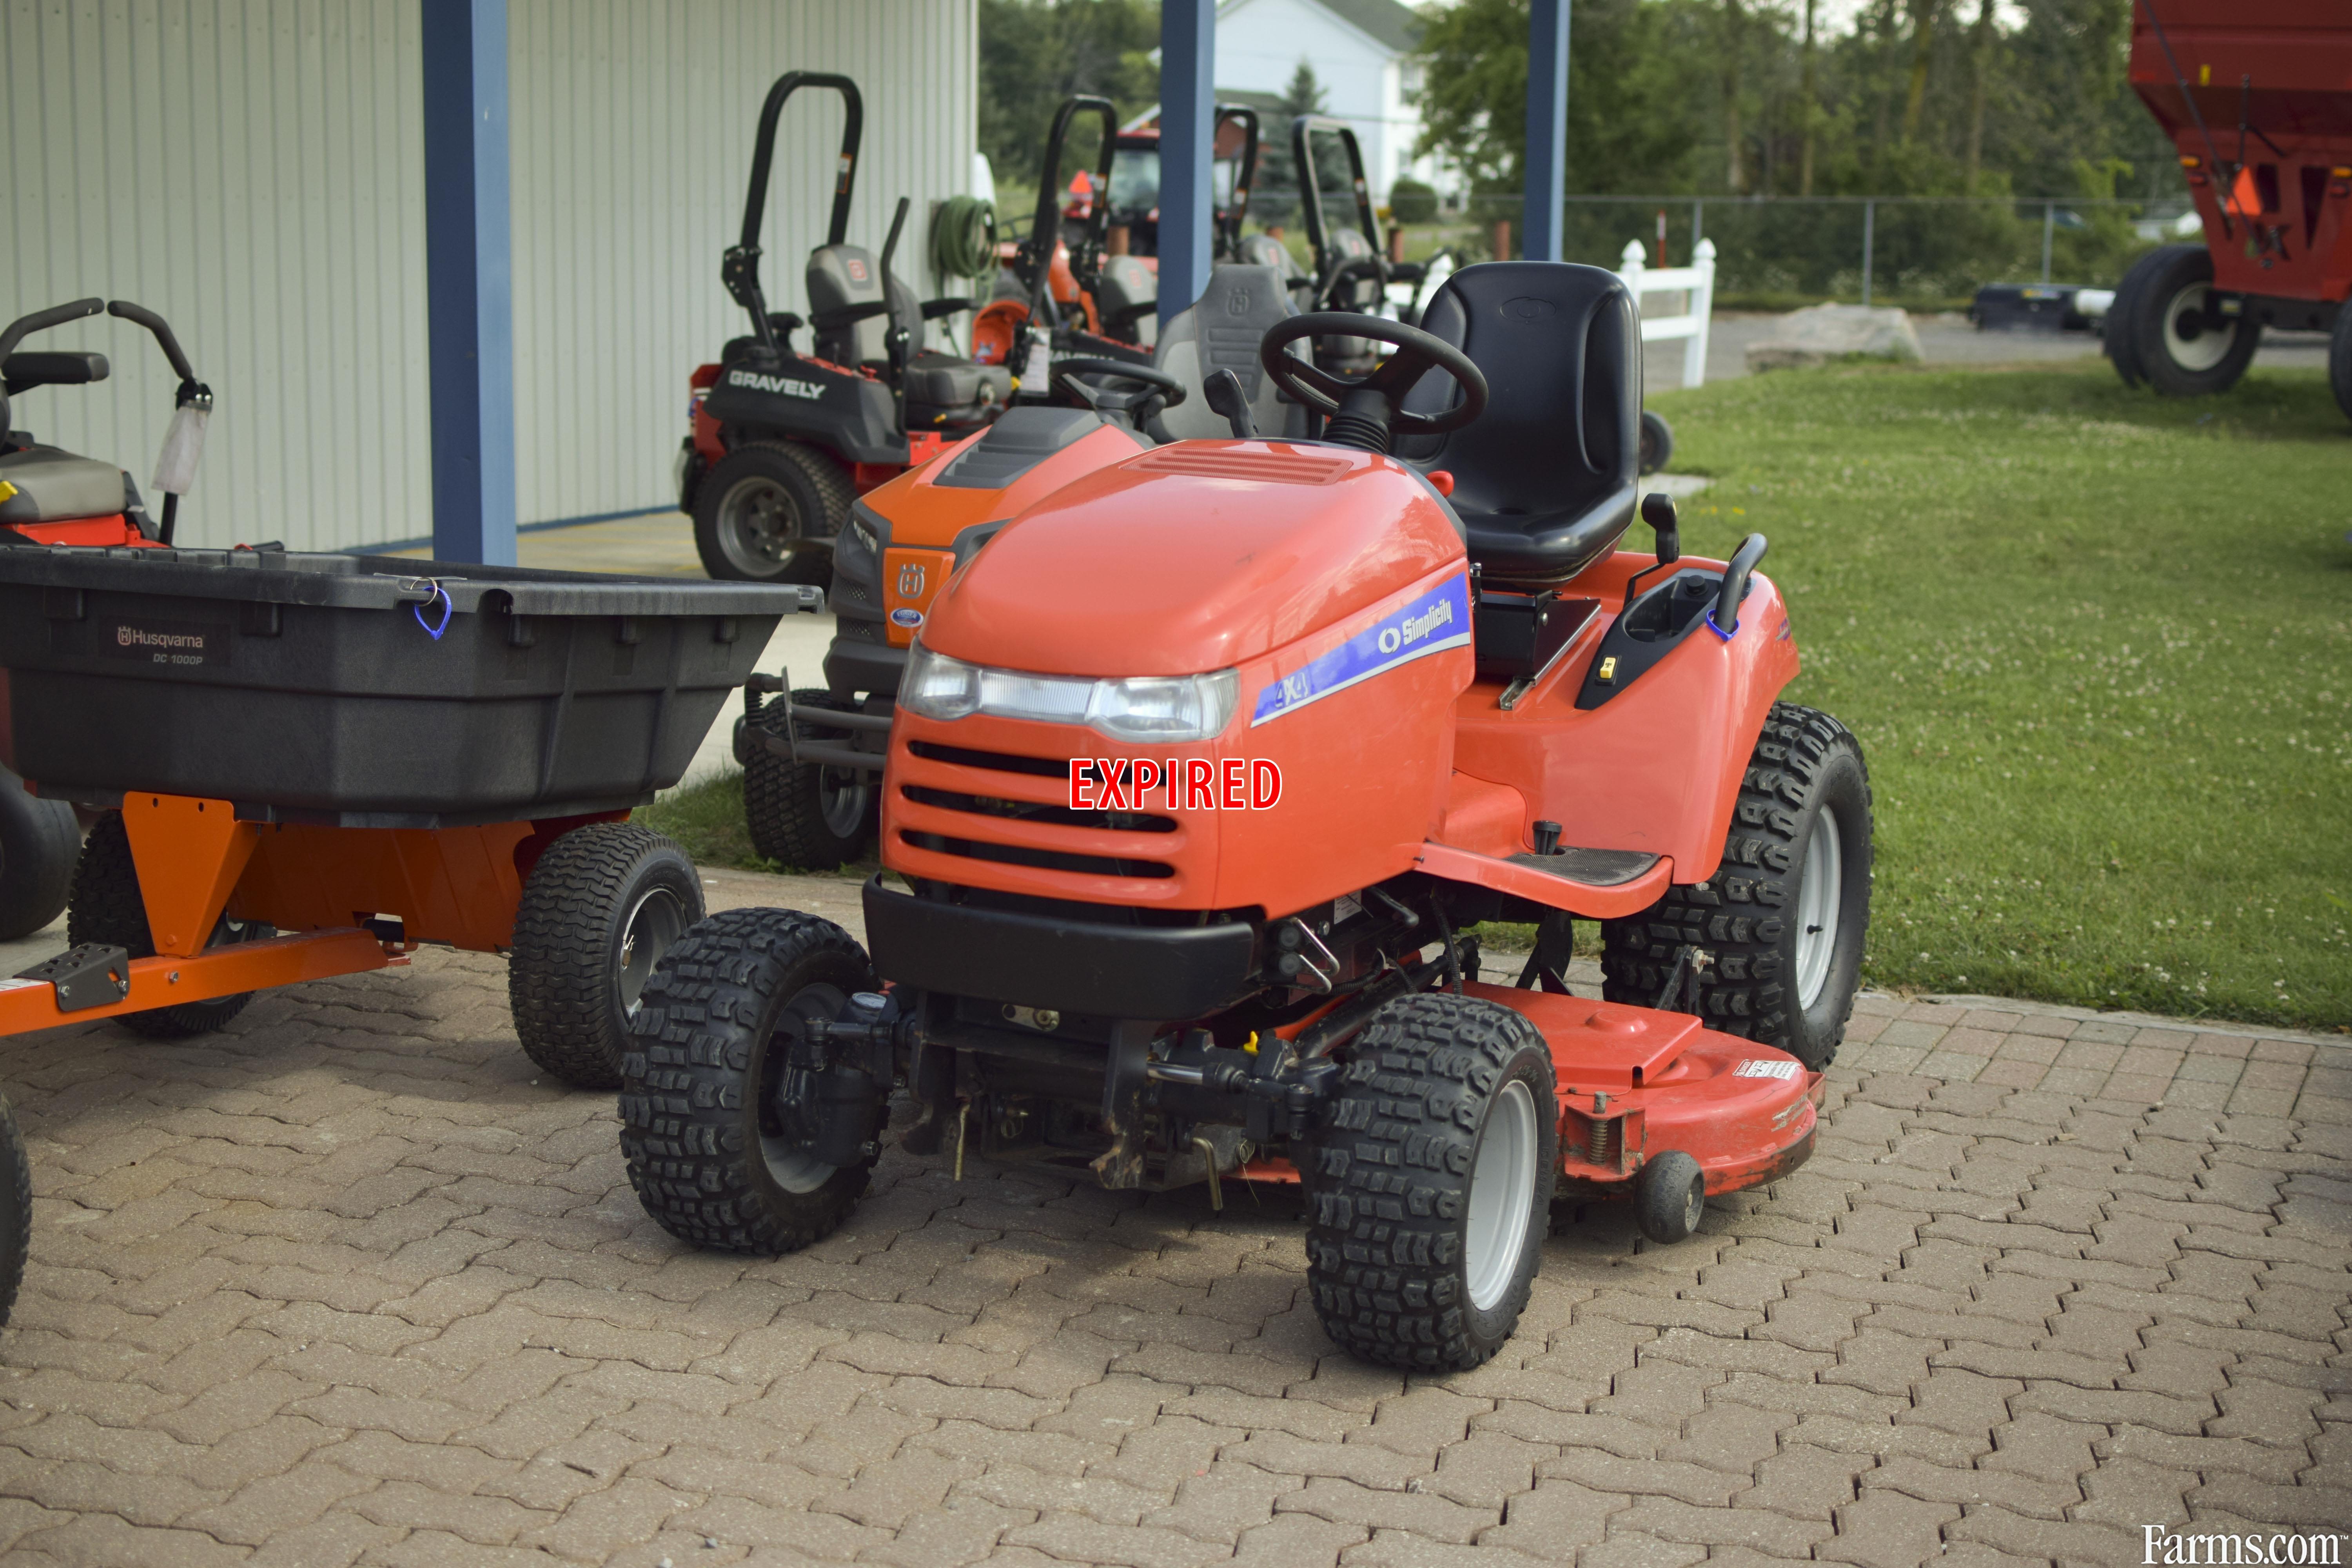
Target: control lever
(1735, 586)
(1658, 511)
(1222, 393)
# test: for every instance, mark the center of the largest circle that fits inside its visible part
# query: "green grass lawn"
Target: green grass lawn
(2097, 646)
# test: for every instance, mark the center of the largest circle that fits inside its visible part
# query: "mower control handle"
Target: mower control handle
(140, 315)
(24, 327)
(1725, 617)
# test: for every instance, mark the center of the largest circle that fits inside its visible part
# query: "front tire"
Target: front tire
(768, 511)
(1783, 920)
(1430, 1181)
(803, 815)
(105, 907)
(2186, 348)
(1657, 442)
(707, 1083)
(602, 906)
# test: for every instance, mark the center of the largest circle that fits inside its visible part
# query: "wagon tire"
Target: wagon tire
(2180, 351)
(600, 907)
(2339, 360)
(15, 1210)
(105, 907)
(1782, 921)
(1429, 1180)
(1657, 443)
(801, 815)
(39, 842)
(709, 1152)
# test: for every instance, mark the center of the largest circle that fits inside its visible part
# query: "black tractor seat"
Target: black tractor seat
(1545, 481)
(852, 309)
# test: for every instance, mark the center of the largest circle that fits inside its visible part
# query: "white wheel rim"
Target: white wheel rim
(2200, 347)
(1502, 1196)
(1819, 889)
(651, 929)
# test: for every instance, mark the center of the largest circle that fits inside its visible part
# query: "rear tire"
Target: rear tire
(768, 511)
(15, 1210)
(602, 906)
(1657, 442)
(813, 818)
(105, 907)
(2117, 334)
(39, 842)
(1785, 917)
(1430, 1181)
(708, 1152)
(2181, 350)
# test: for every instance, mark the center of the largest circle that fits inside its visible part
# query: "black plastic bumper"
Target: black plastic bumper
(1041, 961)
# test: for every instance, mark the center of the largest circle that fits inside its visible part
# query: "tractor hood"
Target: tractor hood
(1194, 557)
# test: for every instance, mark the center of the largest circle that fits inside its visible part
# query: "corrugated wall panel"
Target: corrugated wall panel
(254, 170)
(632, 128)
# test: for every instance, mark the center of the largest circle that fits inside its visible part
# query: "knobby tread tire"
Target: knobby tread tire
(15, 1210)
(560, 974)
(1741, 915)
(687, 1132)
(39, 842)
(1388, 1180)
(105, 907)
(782, 806)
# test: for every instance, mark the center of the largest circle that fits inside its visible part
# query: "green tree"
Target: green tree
(1035, 53)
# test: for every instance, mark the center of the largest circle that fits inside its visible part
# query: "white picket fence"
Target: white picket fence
(1697, 281)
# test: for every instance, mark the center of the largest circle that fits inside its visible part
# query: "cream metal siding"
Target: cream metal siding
(253, 168)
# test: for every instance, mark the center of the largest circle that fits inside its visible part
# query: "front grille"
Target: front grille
(998, 762)
(1031, 811)
(1042, 859)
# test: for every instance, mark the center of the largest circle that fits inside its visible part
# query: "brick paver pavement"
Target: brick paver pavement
(346, 1284)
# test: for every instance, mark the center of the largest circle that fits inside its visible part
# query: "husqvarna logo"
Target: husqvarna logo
(910, 581)
(1237, 304)
(776, 385)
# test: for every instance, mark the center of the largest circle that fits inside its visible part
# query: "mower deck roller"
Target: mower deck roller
(307, 766)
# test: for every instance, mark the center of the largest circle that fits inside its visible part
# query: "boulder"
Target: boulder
(1822, 333)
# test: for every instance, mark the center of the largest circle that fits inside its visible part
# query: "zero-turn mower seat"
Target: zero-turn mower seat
(53, 486)
(1545, 480)
(1221, 331)
(941, 390)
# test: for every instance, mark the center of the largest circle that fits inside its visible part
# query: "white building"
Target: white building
(254, 170)
(1359, 51)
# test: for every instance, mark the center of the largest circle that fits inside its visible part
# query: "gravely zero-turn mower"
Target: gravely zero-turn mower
(782, 441)
(2257, 97)
(1203, 765)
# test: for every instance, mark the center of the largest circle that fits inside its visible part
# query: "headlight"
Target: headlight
(1141, 707)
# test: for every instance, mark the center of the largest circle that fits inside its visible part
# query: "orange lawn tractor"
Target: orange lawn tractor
(1204, 763)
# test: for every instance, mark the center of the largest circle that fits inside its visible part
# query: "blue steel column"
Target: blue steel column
(469, 282)
(1543, 168)
(1188, 70)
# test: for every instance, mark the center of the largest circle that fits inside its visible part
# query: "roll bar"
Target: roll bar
(741, 268)
(1035, 266)
(1303, 131)
(1229, 232)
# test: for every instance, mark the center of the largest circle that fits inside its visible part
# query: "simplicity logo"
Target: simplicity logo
(2251, 1551)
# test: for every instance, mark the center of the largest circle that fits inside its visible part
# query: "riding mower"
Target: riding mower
(1066, 294)
(810, 756)
(1204, 764)
(52, 497)
(784, 441)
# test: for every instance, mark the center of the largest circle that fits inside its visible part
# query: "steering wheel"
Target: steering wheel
(1160, 391)
(1368, 411)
